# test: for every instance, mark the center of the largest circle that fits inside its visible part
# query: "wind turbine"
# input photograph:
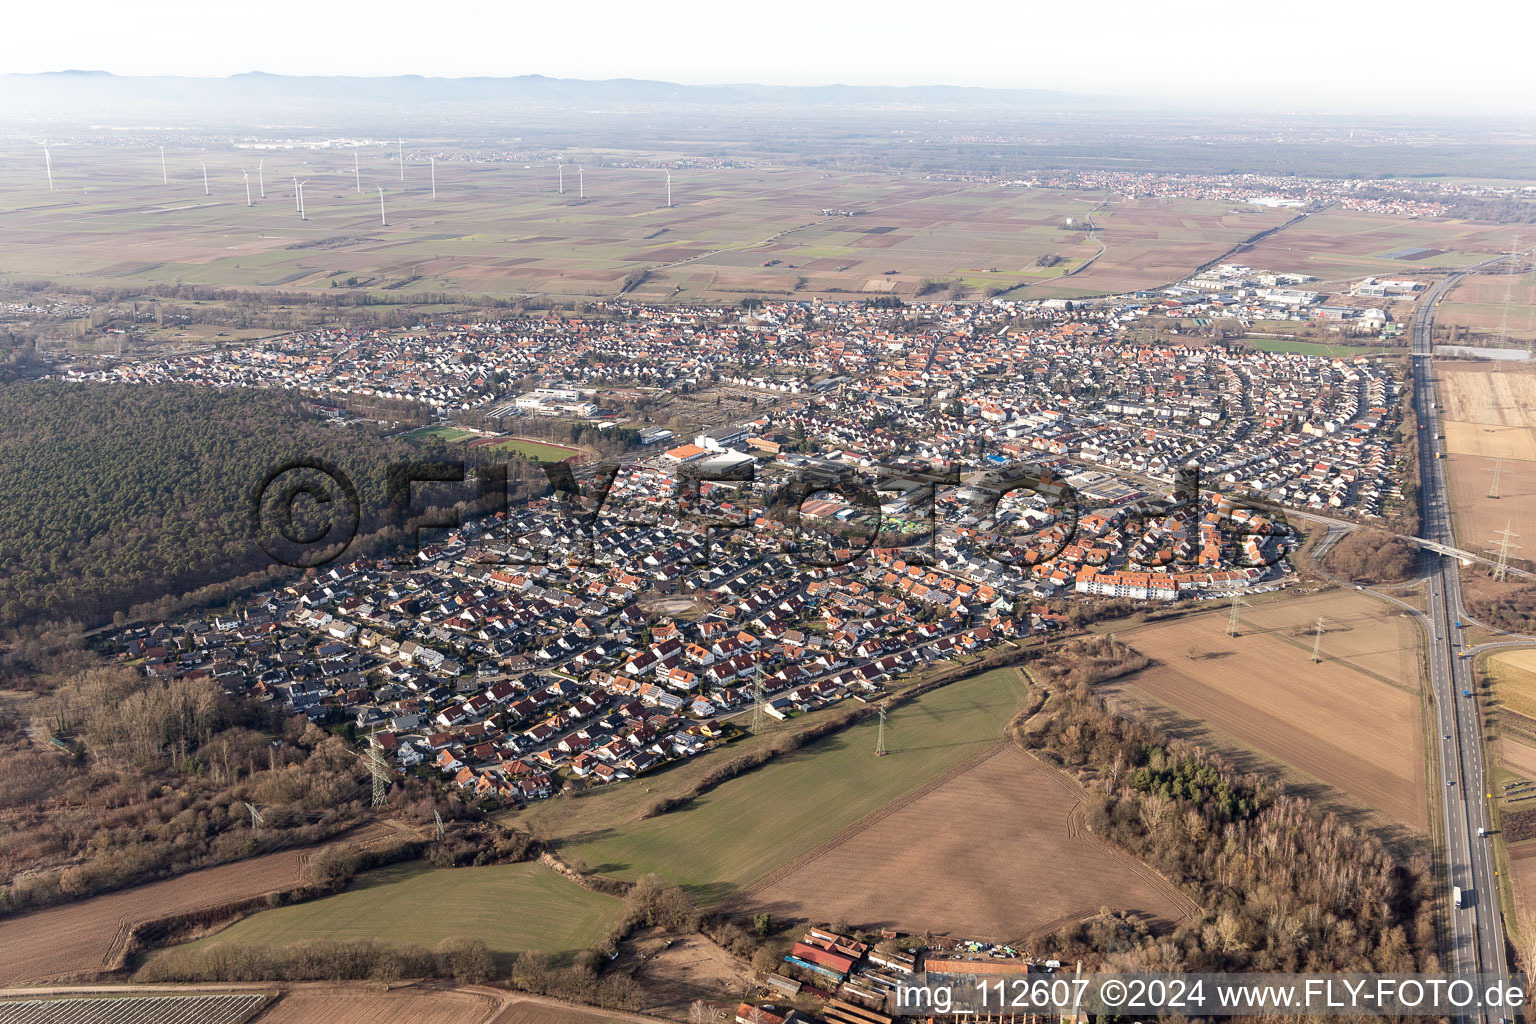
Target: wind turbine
(247, 176)
(48, 163)
(581, 188)
(562, 178)
(382, 220)
(400, 153)
(356, 177)
(298, 202)
(298, 187)
(165, 179)
(261, 182)
(205, 178)
(434, 176)
(669, 190)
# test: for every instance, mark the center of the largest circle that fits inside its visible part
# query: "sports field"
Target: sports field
(527, 448)
(1351, 722)
(748, 826)
(446, 434)
(512, 907)
(1311, 348)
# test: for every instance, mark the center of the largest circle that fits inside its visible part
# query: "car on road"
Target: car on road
(1450, 782)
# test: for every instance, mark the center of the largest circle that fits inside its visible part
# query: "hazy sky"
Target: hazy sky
(1341, 54)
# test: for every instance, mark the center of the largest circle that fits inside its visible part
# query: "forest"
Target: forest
(114, 495)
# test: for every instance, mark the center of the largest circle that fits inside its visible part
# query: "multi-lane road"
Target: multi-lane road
(1475, 939)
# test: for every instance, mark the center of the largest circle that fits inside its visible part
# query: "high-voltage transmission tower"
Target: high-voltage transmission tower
(1507, 541)
(1498, 465)
(380, 771)
(1233, 615)
(256, 819)
(1317, 641)
(880, 750)
(759, 714)
(441, 831)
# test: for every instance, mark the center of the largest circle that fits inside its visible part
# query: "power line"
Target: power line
(1507, 535)
(380, 770)
(759, 716)
(256, 819)
(1233, 616)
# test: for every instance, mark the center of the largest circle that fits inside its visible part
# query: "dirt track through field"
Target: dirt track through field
(81, 938)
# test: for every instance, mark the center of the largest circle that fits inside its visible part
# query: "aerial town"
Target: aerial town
(1007, 461)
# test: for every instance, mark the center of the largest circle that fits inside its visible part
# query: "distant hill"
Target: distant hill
(102, 95)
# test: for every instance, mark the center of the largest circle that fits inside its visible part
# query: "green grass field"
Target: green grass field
(757, 822)
(513, 907)
(1311, 348)
(447, 435)
(533, 450)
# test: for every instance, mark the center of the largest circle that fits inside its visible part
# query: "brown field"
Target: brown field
(686, 969)
(1480, 393)
(80, 938)
(357, 1004)
(1352, 722)
(1517, 757)
(375, 1003)
(502, 229)
(1489, 415)
(1338, 246)
(544, 1011)
(998, 851)
(1496, 305)
(1513, 675)
(1522, 875)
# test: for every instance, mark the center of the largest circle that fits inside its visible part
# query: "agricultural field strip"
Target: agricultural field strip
(138, 1009)
(863, 824)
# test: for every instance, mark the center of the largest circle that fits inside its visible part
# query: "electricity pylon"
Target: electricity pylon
(880, 750)
(256, 819)
(1493, 489)
(1232, 616)
(380, 769)
(1507, 535)
(441, 832)
(1317, 642)
(759, 716)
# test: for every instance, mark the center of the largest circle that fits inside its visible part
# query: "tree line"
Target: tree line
(1281, 885)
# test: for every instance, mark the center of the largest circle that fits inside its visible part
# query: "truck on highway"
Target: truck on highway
(1466, 693)
(1458, 896)
(1482, 833)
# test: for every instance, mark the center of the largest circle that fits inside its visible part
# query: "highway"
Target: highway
(1475, 939)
